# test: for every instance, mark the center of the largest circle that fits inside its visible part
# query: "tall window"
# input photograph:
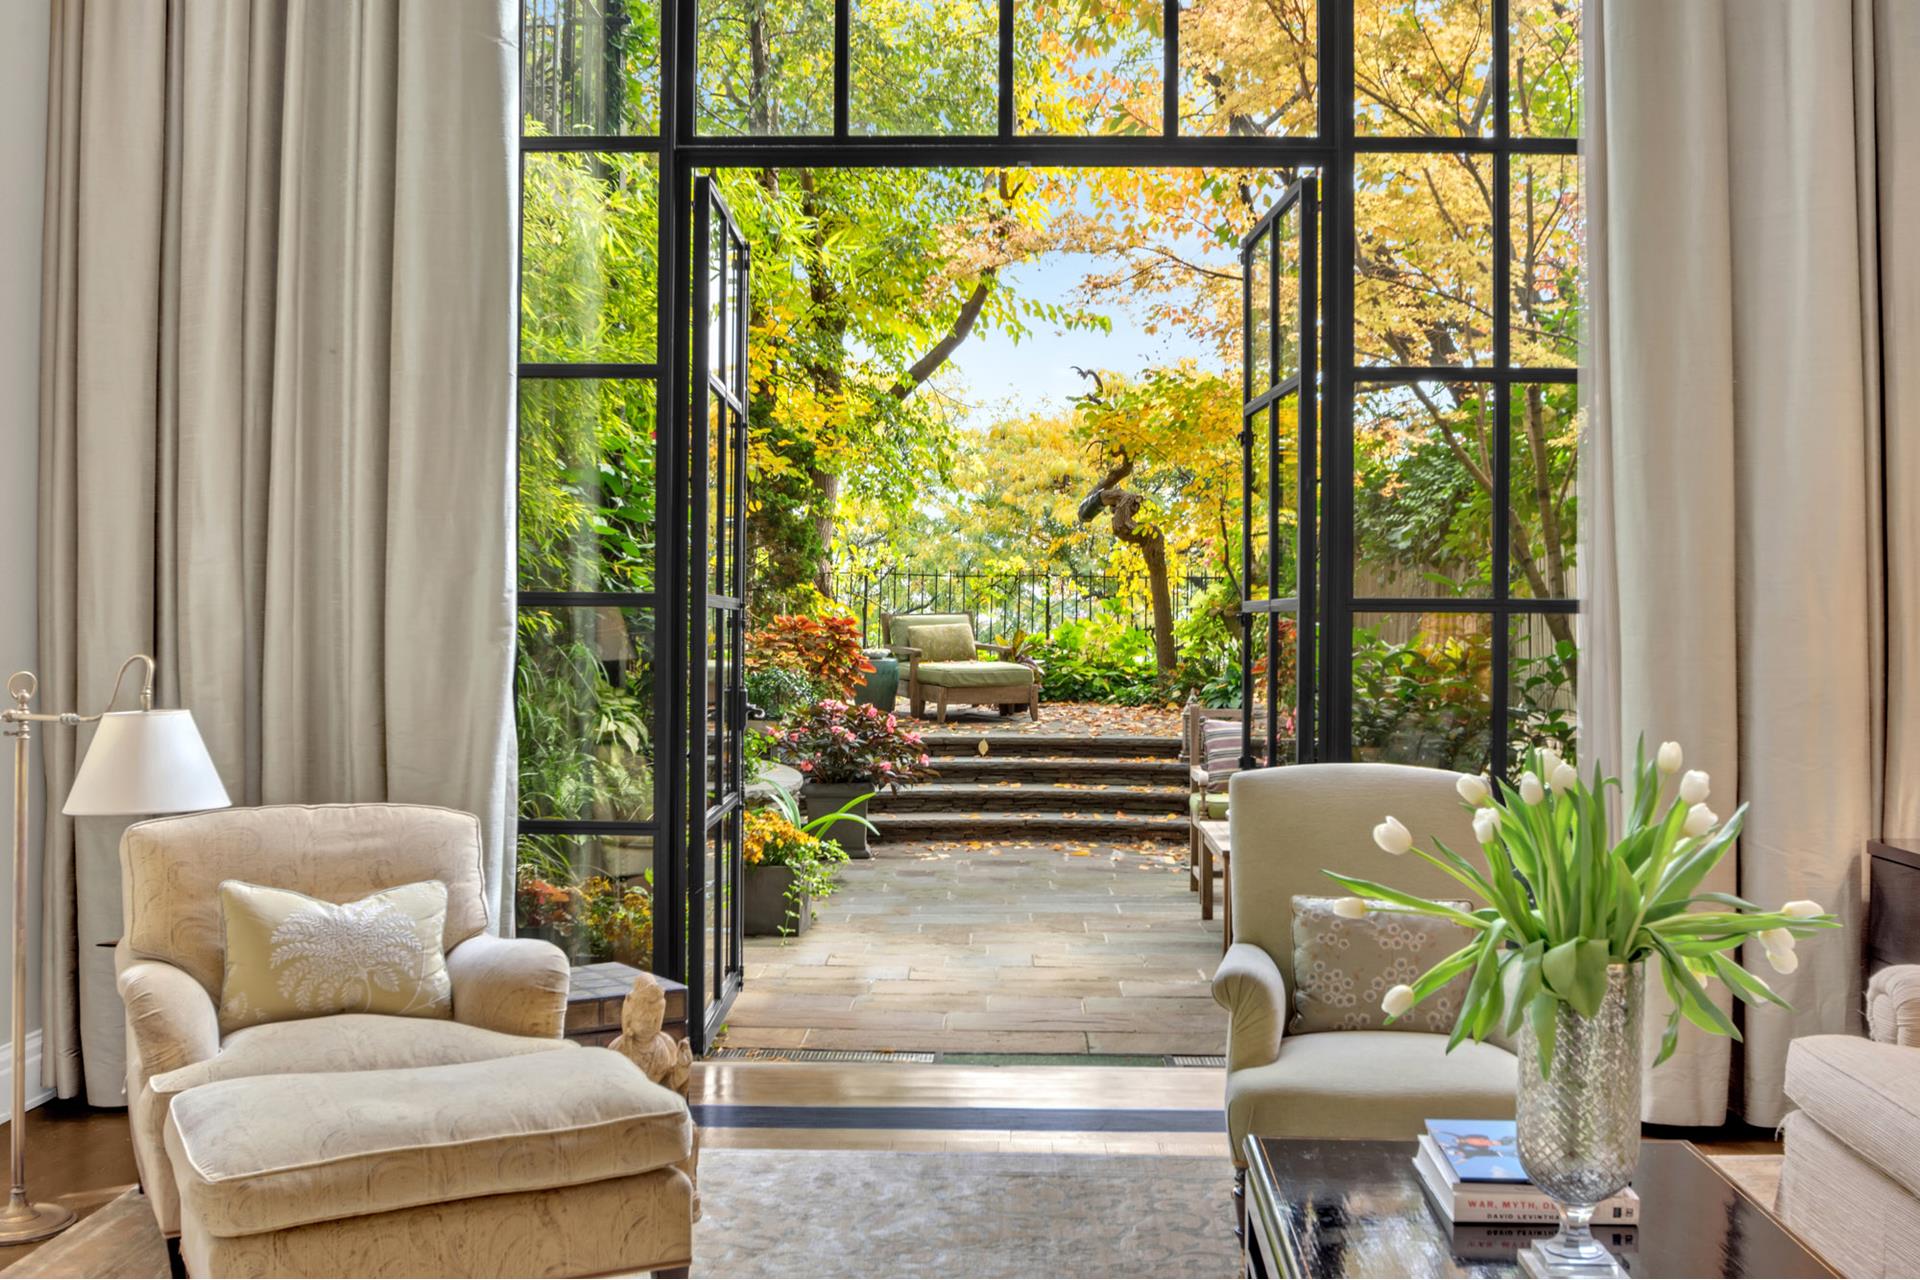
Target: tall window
(589, 679)
(1441, 138)
(1459, 193)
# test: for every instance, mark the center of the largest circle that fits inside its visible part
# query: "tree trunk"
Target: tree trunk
(1166, 654)
(826, 488)
(1152, 546)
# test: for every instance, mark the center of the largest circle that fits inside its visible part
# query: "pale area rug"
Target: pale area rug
(869, 1213)
(910, 1213)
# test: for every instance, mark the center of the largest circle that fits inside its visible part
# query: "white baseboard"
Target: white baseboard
(36, 1093)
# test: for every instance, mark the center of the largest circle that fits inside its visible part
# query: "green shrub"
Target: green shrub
(1100, 660)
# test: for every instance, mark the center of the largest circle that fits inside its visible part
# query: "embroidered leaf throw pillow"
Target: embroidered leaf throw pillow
(290, 956)
(1343, 968)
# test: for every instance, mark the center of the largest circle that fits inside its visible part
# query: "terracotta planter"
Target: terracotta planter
(817, 799)
(764, 900)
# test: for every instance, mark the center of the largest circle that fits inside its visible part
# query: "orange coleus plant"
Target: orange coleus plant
(825, 650)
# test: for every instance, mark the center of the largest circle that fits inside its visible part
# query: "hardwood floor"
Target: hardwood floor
(77, 1156)
(994, 947)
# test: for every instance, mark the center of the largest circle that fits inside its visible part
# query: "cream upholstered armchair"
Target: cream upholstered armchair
(1288, 825)
(1850, 1181)
(509, 995)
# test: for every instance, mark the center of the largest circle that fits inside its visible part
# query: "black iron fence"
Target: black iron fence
(1005, 603)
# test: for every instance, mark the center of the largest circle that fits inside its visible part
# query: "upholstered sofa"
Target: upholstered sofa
(236, 1114)
(1287, 826)
(1850, 1181)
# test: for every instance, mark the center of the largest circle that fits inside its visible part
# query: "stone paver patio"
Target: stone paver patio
(994, 947)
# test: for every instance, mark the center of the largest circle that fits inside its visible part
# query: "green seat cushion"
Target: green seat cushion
(1210, 805)
(901, 623)
(974, 675)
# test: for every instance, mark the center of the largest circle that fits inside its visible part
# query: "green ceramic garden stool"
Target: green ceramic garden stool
(882, 685)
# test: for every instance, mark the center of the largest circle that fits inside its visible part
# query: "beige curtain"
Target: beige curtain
(276, 431)
(1752, 467)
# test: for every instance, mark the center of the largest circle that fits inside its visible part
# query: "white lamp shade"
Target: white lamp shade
(146, 762)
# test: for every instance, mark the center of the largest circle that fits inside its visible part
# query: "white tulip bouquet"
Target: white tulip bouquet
(1566, 900)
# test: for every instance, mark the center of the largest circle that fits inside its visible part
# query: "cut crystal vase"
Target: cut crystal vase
(1579, 1124)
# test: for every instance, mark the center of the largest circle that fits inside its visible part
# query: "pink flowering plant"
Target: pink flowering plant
(835, 741)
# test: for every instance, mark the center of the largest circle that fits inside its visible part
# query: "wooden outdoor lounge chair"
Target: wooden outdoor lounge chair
(942, 661)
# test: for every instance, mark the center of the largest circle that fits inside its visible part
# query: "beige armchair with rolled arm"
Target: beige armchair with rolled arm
(509, 995)
(1850, 1181)
(1288, 825)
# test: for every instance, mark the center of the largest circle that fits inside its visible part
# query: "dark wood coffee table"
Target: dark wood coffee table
(1327, 1208)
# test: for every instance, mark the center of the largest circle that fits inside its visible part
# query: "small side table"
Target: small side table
(1216, 842)
(597, 991)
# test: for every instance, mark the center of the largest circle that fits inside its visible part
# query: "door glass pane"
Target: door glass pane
(1286, 318)
(1422, 689)
(1277, 677)
(1546, 422)
(765, 68)
(1249, 70)
(583, 691)
(588, 257)
(1086, 67)
(716, 686)
(1423, 259)
(590, 895)
(1544, 663)
(586, 506)
(718, 902)
(716, 495)
(1548, 226)
(924, 67)
(1545, 96)
(1283, 420)
(737, 302)
(716, 293)
(1258, 502)
(590, 66)
(1423, 478)
(1259, 268)
(1423, 68)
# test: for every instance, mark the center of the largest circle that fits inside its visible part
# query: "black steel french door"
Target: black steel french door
(717, 651)
(1279, 473)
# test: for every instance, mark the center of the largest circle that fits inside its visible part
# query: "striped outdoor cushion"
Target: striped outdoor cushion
(1222, 738)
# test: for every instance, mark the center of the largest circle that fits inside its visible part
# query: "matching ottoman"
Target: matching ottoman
(550, 1164)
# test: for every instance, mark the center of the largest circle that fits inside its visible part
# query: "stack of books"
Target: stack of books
(1471, 1171)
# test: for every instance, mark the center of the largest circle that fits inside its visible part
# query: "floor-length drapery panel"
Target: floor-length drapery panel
(1741, 412)
(276, 418)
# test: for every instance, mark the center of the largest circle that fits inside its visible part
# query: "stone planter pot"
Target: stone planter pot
(817, 799)
(764, 900)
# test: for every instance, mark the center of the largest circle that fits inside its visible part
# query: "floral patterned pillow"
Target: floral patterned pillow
(290, 956)
(1343, 968)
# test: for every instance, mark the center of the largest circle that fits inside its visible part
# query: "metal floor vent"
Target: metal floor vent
(1197, 1060)
(817, 1055)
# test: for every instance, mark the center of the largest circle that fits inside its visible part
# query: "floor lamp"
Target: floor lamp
(140, 762)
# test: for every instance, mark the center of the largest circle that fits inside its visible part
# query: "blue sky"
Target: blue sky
(999, 378)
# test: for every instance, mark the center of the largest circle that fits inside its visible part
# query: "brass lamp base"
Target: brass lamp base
(23, 1223)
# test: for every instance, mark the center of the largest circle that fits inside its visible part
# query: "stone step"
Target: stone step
(1043, 769)
(1092, 828)
(989, 800)
(941, 743)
